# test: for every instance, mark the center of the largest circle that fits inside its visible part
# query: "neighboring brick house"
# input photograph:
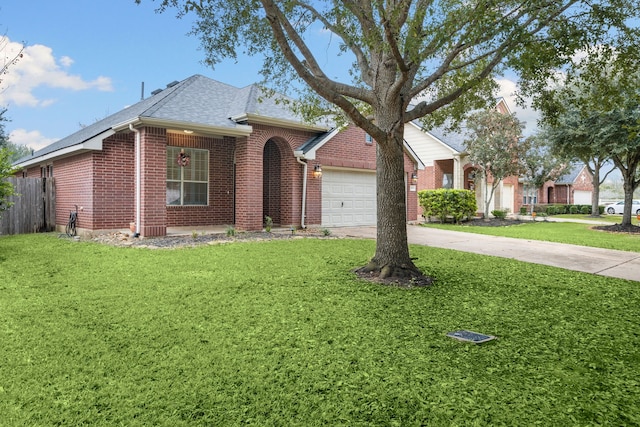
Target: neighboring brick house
(575, 187)
(203, 153)
(447, 164)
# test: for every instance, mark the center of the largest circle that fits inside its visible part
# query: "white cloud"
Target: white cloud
(38, 67)
(32, 139)
(66, 61)
(508, 90)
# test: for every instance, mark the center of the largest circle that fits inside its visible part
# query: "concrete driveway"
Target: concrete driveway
(604, 262)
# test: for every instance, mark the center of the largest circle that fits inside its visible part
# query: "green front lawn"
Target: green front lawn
(560, 232)
(281, 333)
(613, 219)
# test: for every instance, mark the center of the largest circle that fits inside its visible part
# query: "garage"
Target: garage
(507, 197)
(581, 197)
(348, 198)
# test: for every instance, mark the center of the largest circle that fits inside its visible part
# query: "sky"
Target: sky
(87, 59)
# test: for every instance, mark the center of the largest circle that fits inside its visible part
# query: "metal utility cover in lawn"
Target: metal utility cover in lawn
(469, 336)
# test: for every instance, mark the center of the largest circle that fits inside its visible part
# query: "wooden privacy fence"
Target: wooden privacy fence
(34, 207)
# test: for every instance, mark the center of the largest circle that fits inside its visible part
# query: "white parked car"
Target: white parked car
(618, 208)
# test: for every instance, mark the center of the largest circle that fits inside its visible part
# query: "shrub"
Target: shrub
(600, 210)
(585, 210)
(268, 223)
(523, 210)
(573, 209)
(231, 231)
(499, 213)
(551, 210)
(444, 203)
(561, 209)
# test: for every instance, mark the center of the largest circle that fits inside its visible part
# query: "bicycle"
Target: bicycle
(70, 229)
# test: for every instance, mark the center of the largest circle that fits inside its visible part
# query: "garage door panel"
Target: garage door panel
(581, 197)
(348, 198)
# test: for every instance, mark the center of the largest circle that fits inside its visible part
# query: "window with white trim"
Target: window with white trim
(187, 176)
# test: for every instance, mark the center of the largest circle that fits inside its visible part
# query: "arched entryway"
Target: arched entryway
(272, 182)
(550, 195)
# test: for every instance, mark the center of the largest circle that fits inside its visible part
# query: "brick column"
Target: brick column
(248, 205)
(153, 218)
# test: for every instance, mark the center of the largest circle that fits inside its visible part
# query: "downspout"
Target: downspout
(304, 191)
(137, 178)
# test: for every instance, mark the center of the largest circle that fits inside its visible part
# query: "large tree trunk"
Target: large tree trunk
(392, 261)
(628, 203)
(595, 197)
(630, 183)
(392, 248)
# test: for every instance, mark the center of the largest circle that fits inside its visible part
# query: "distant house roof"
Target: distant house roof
(198, 103)
(571, 176)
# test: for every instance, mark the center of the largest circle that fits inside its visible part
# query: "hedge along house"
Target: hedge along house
(574, 187)
(203, 153)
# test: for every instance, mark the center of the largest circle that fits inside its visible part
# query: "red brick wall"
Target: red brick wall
(114, 183)
(348, 149)
(412, 196)
(153, 210)
(74, 186)
(561, 194)
(221, 192)
(249, 176)
(584, 181)
(271, 183)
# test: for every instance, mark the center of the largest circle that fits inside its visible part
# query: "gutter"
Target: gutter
(237, 130)
(92, 144)
(137, 178)
(304, 191)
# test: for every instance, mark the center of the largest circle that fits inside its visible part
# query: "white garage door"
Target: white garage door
(507, 197)
(582, 198)
(348, 198)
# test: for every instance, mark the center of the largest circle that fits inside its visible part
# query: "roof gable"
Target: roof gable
(571, 175)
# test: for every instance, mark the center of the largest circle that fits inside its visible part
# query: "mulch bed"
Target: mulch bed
(170, 242)
(494, 222)
(618, 228)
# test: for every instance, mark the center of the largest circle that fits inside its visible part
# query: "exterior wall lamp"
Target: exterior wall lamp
(414, 177)
(317, 171)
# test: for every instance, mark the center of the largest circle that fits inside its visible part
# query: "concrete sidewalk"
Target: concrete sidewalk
(604, 262)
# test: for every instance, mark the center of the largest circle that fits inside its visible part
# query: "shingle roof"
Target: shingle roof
(571, 176)
(455, 140)
(198, 100)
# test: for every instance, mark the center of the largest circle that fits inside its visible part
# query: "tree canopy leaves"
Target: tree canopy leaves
(495, 148)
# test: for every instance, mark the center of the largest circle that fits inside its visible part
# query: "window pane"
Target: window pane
(189, 184)
(201, 163)
(173, 169)
(173, 193)
(195, 193)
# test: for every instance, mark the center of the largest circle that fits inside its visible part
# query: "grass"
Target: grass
(281, 333)
(613, 219)
(560, 232)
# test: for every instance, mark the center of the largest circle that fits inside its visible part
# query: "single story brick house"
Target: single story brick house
(575, 187)
(204, 153)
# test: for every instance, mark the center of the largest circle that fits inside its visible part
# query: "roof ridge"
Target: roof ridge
(168, 92)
